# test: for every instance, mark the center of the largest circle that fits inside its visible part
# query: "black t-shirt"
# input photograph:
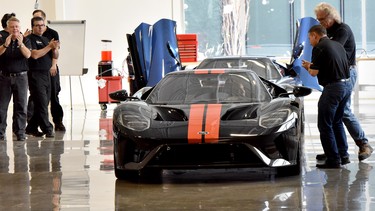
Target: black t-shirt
(4, 34)
(344, 35)
(44, 62)
(12, 60)
(329, 57)
(50, 33)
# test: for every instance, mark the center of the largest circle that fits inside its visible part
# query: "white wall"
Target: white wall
(110, 19)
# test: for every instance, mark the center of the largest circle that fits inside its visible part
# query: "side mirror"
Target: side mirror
(119, 95)
(301, 91)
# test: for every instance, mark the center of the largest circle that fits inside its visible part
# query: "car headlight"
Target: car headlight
(135, 118)
(273, 119)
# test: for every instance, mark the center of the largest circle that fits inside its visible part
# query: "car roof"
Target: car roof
(238, 57)
(214, 70)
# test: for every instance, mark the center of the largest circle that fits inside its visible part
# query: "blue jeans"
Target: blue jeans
(351, 122)
(331, 107)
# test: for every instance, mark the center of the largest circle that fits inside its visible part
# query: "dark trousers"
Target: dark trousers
(330, 113)
(40, 92)
(17, 87)
(56, 109)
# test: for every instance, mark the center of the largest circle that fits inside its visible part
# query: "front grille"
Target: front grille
(205, 156)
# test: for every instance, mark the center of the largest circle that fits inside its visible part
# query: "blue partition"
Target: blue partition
(151, 51)
(302, 38)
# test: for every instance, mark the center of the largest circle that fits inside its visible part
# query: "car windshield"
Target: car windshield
(229, 87)
(261, 66)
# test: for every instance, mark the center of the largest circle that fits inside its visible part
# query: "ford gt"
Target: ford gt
(204, 119)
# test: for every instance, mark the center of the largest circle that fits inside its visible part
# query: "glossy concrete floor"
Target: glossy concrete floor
(74, 171)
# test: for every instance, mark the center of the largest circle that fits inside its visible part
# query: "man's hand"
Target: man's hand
(8, 40)
(27, 32)
(53, 71)
(20, 39)
(307, 66)
(54, 44)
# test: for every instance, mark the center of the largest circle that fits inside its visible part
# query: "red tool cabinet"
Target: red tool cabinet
(112, 83)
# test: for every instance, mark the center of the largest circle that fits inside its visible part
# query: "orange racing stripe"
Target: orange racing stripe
(201, 72)
(212, 123)
(195, 123)
(209, 132)
(214, 71)
(217, 71)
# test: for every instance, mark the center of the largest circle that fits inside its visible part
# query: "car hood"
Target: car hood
(213, 121)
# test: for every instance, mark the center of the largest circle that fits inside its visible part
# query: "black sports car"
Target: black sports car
(265, 67)
(219, 118)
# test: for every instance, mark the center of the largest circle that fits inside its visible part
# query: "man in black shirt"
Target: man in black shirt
(4, 33)
(329, 17)
(42, 53)
(330, 64)
(56, 109)
(14, 52)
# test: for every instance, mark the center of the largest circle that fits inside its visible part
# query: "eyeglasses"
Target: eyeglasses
(323, 18)
(39, 25)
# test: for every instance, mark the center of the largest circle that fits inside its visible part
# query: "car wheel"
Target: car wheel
(291, 170)
(121, 157)
(151, 175)
(294, 169)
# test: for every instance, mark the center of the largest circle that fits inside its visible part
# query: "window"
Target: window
(271, 24)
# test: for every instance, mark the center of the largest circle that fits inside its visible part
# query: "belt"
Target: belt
(13, 74)
(340, 80)
(343, 80)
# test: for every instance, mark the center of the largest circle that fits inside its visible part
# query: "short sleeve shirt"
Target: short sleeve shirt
(344, 35)
(12, 60)
(44, 62)
(329, 57)
(51, 34)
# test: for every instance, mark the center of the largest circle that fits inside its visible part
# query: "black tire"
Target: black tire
(120, 174)
(297, 168)
(128, 156)
(291, 170)
(151, 175)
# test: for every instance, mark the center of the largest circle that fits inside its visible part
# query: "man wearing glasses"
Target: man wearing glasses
(56, 109)
(42, 53)
(330, 19)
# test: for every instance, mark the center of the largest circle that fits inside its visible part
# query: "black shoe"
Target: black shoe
(321, 157)
(59, 127)
(21, 138)
(50, 134)
(329, 166)
(2, 138)
(34, 133)
(345, 160)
